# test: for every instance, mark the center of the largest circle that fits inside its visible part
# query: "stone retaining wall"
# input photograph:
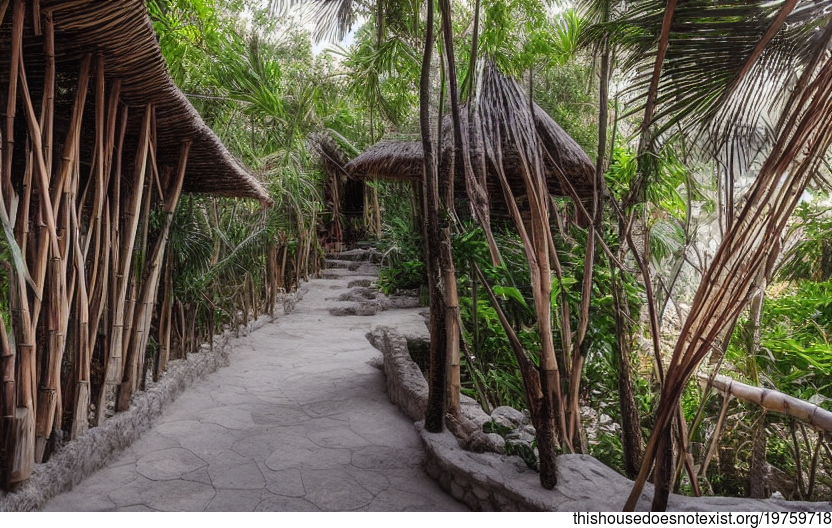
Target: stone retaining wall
(406, 386)
(494, 482)
(80, 458)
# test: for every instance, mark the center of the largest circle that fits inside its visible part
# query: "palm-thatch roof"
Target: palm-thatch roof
(389, 160)
(330, 155)
(563, 159)
(122, 33)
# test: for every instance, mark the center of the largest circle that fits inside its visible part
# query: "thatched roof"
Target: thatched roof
(403, 160)
(122, 32)
(389, 160)
(568, 161)
(330, 155)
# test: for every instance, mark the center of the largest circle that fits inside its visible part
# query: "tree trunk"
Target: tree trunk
(446, 191)
(631, 438)
(435, 411)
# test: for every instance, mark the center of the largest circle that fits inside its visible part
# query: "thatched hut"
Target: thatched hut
(401, 160)
(95, 136)
(394, 160)
(343, 196)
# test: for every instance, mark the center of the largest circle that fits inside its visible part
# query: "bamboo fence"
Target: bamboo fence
(87, 265)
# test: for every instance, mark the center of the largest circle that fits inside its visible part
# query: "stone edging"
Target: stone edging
(406, 386)
(493, 482)
(100, 445)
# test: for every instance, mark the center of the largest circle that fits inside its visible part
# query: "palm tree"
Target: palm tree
(717, 79)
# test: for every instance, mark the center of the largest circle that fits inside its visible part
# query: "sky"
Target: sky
(297, 13)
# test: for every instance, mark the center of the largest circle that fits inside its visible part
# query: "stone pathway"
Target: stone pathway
(299, 421)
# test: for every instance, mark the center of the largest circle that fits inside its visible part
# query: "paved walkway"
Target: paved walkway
(299, 421)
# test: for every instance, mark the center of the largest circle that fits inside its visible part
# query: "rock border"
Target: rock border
(488, 481)
(80, 458)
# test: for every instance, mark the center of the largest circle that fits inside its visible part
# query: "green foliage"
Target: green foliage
(665, 205)
(562, 90)
(496, 428)
(524, 451)
(5, 278)
(383, 77)
(407, 275)
(491, 374)
(518, 36)
(403, 263)
(795, 343)
(810, 256)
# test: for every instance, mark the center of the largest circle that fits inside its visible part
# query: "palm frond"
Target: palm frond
(710, 69)
(332, 18)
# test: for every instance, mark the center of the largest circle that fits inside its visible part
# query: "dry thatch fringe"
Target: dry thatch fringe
(123, 33)
(749, 246)
(389, 160)
(330, 155)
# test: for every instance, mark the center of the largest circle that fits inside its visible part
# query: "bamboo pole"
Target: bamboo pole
(21, 227)
(50, 241)
(51, 192)
(58, 302)
(18, 442)
(18, 14)
(150, 285)
(114, 367)
(48, 105)
(84, 350)
(776, 401)
(130, 365)
(99, 276)
(114, 268)
(165, 320)
(752, 241)
(46, 126)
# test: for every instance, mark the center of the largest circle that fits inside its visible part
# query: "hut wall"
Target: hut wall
(79, 179)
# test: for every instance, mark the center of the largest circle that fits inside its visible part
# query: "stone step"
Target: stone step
(363, 270)
(357, 255)
(351, 265)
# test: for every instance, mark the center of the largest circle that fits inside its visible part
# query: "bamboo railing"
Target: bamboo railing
(772, 400)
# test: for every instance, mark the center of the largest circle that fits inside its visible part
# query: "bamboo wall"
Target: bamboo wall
(80, 183)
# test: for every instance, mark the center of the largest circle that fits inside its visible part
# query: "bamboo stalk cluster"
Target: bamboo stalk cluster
(88, 198)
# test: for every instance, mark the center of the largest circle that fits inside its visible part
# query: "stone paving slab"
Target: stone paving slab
(299, 421)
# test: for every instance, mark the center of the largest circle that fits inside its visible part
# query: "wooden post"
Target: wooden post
(19, 12)
(114, 367)
(22, 454)
(150, 285)
(58, 299)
